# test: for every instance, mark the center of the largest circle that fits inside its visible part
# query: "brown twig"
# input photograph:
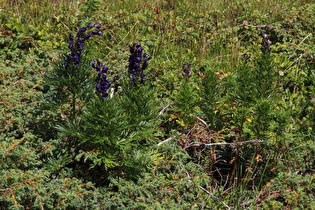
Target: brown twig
(167, 140)
(163, 110)
(202, 121)
(216, 198)
(198, 144)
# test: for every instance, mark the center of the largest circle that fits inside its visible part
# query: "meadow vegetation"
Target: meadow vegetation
(157, 104)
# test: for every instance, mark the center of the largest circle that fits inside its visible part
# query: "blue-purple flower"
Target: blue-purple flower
(266, 43)
(138, 62)
(76, 47)
(186, 71)
(103, 84)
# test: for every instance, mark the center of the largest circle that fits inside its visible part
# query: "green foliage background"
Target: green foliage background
(238, 134)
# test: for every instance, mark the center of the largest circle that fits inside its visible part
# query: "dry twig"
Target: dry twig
(167, 140)
(198, 144)
(216, 198)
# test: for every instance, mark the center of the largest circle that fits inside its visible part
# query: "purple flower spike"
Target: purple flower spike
(76, 47)
(70, 41)
(266, 43)
(102, 83)
(138, 62)
(186, 71)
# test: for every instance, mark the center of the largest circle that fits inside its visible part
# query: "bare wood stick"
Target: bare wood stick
(258, 26)
(202, 121)
(216, 198)
(198, 144)
(167, 140)
(163, 110)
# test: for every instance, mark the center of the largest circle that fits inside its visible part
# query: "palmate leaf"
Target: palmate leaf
(69, 128)
(56, 163)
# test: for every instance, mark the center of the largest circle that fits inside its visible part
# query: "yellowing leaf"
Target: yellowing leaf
(249, 120)
(172, 117)
(181, 122)
(281, 73)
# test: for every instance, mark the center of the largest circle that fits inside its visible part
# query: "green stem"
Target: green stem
(73, 110)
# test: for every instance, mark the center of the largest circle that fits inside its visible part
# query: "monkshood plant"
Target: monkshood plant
(255, 115)
(210, 96)
(70, 85)
(116, 128)
(256, 94)
(70, 82)
(185, 99)
(103, 127)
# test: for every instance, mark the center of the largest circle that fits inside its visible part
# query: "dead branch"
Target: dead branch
(216, 198)
(202, 121)
(168, 139)
(163, 110)
(198, 144)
